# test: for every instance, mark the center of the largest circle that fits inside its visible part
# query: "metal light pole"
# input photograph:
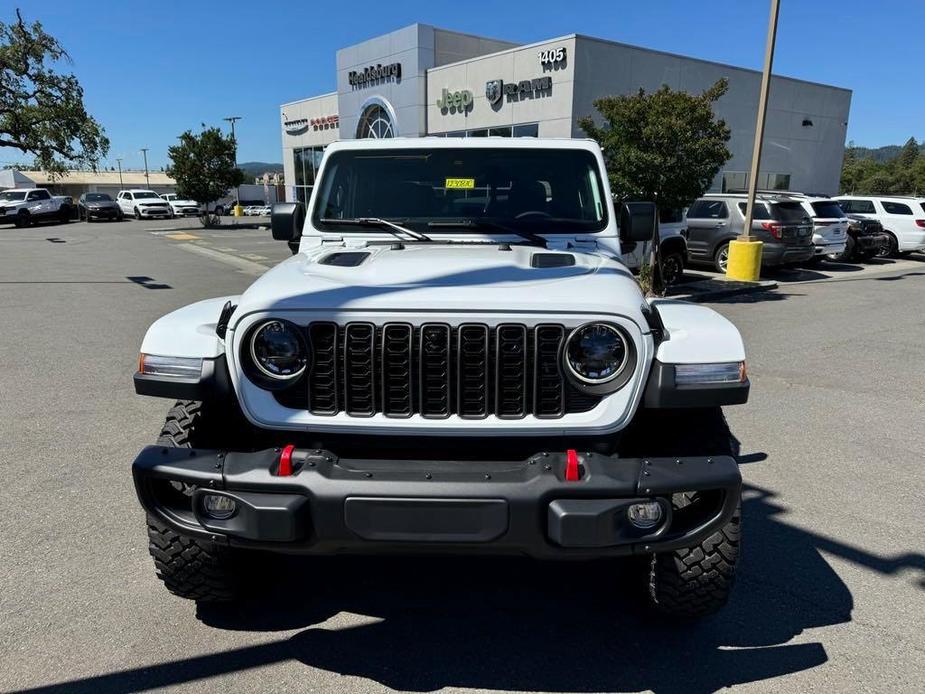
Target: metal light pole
(748, 259)
(233, 120)
(144, 151)
(119, 162)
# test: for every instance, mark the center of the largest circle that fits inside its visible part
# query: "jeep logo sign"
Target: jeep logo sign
(455, 101)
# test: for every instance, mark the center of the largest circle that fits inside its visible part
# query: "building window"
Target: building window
(522, 130)
(375, 122)
(737, 181)
(527, 130)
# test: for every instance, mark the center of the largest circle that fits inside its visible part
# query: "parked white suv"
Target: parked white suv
(903, 219)
(182, 207)
(830, 225)
(143, 204)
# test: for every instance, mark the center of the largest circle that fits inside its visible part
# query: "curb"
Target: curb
(709, 289)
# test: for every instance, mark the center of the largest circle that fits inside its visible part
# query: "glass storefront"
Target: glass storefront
(522, 130)
(307, 161)
(737, 181)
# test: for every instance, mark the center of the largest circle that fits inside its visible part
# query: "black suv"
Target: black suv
(782, 224)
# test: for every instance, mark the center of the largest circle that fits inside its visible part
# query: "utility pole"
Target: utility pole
(746, 249)
(119, 162)
(144, 151)
(233, 120)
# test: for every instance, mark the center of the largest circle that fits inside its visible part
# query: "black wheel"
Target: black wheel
(672, 268)
(23, 219)
(891, 248)
(64, 214)
(137, 214)
(694, 581)
(120, 217)
(721, 258)
(191, 568)
(846, 255)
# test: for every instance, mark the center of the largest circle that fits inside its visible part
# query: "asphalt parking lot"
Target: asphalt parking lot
(831, 591)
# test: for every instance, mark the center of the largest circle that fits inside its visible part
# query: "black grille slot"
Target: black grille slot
(435, 370)
(322, 382)
(511, 364)
(359, 369)
(548, 393)
(397, 340)
(472, 362)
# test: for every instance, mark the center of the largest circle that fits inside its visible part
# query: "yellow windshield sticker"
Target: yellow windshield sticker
(460, 183)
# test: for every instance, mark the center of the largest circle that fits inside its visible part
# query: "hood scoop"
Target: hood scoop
(345, 259)
(547, 260)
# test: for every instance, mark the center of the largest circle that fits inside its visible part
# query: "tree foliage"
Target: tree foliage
(665, 146)
(903, 174)
(42, 110)
(203, 165)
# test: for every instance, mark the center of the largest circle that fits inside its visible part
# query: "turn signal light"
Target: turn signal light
(700, 374)
(172, 367)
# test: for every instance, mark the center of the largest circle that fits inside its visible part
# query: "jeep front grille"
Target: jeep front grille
(436, 371)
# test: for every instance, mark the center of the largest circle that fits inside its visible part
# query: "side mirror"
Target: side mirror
(286, 220)
(637, 221)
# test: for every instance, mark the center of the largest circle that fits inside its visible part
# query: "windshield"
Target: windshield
(144, 194)
(97, 197)
(12, 196)
(540, 190)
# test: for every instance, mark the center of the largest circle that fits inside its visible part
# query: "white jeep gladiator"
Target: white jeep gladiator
(454, 360)
(26, 206)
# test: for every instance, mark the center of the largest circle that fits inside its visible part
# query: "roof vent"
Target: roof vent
(344, 259)
(552, 260)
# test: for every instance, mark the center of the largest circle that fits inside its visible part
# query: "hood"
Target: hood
(185, 203)
(100, 203)
(448, 277)
(11, 203)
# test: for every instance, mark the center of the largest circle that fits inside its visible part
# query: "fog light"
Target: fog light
(646, 515)
(218, 507)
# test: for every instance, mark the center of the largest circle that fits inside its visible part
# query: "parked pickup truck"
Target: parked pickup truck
(455, 359)
(26, 206)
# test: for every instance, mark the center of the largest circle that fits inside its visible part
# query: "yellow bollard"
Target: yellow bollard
(744, 262)
(238, 211)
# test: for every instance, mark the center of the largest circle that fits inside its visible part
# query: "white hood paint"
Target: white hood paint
(452, 277)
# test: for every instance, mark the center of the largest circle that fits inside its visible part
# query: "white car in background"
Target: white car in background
(903, 218)
(181, 207)
(264, 211)
(830, 225)
(143, 204)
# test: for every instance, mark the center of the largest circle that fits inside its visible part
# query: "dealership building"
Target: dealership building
(425, 81)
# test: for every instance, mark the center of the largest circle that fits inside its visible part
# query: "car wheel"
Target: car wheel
(672, 269)
(22, 219)
(721, 258)
(845, 255)
(891, 248)
(137, 214)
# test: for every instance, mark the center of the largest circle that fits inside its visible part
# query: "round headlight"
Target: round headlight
(596, 353)
(278, 351)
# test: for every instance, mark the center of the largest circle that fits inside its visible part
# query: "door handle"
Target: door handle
(721, 224)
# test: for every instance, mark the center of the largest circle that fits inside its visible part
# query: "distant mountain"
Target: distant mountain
(880, 154)
(256, 168)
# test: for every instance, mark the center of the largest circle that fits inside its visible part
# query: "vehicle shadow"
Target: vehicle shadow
(423, 623)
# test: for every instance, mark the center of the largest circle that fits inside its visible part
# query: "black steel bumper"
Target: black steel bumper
(330, 505)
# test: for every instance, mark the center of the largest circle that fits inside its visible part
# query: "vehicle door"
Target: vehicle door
(36, 204)
(707, 223)
(127, 203)
(898, 218)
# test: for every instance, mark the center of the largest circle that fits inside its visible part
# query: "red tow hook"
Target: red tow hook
(285, 461)
(572, 468)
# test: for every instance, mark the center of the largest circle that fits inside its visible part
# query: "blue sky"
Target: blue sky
(151, 70)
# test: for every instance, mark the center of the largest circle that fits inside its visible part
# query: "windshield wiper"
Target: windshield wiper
(396, 229)
(534, 239)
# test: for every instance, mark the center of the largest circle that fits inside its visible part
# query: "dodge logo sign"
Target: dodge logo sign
(493, 91)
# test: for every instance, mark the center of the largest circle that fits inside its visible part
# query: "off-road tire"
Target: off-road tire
(672, 268)
(693, 581)
(189, 568)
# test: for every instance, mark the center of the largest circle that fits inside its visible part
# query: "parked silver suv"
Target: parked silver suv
(779, 221)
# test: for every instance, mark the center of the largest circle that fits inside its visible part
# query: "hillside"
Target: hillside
(256, 168)
(879, 154)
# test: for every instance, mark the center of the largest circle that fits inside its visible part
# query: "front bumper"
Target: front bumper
(871, 242)
(154, 212)
(331, 505)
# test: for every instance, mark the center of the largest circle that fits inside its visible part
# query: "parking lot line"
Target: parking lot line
(246, 266)
(182, 237)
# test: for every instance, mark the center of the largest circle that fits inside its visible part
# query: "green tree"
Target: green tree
(203, 166)
(665, 146)
(42, 110)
